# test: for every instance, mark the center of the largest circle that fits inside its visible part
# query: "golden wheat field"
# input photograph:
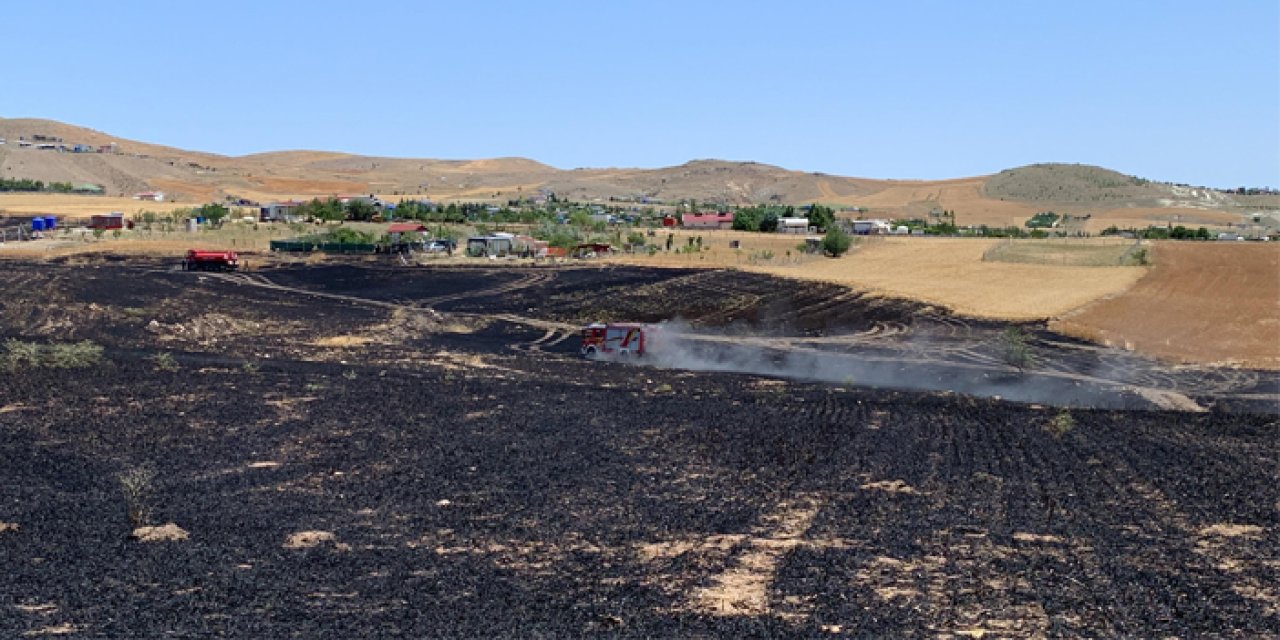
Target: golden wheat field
(948, 272)
(78, 206)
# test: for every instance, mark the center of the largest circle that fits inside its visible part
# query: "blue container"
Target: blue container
(37, 224)
(199, 219)
(51, 222)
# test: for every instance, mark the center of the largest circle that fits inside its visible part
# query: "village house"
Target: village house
(279, 211)
(871, 227)
(150, 196)
(721, 220)
(797, 226)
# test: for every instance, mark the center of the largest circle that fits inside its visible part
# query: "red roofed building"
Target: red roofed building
(405, 227)
(707, 220)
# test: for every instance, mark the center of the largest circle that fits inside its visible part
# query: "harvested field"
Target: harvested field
(1210, 299)
(489, 483)
(1075, 253)
(952, 273)
(1143, 217)
(948, 272)
(78, 206)
(910, 199)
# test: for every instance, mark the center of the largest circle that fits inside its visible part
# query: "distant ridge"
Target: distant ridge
(194, 176)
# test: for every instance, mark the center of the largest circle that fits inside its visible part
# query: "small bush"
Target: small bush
(1060, 425)
(1014, 348)
(73, 355)
(1139, 257)
(164, 361)
(136, 485)
(19, 353)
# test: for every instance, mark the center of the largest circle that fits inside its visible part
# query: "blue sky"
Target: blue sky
(1173, 90)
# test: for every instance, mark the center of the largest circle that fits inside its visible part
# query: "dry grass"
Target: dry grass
(908, 199)
(78, 206)
(343, 341)
(948, 272)
(239, 236)
(1105, 252)
(1141, 218)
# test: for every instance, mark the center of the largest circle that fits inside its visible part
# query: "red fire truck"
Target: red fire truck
(615, 339)
(198, 260)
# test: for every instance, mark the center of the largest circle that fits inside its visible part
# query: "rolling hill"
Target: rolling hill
(1008, 197)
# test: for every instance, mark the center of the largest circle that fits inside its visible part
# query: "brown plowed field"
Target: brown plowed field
(1215, 303)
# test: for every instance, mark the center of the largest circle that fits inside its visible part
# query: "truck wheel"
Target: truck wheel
(590, 353)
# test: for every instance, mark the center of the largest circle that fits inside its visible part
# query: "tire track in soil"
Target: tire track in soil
(258, 280)
(528, 280)
(1165, 396)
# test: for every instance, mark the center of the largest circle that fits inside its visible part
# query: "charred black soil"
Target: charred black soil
(361, 452)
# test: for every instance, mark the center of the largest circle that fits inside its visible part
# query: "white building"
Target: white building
(871, 227)
(798, 226)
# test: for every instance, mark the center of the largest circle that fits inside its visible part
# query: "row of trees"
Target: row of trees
(1162, 233)
(24, 184)
(765, 218)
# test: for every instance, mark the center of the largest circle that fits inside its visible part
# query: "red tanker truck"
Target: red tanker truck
(200, 260)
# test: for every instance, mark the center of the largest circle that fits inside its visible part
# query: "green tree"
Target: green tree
(769, 222)
(836, 242)
(358, 209)
(580, 219)
(821, 217)
(746, 219)
(215, 213)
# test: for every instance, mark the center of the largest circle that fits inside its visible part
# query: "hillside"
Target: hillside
(1089, 185)
(1006, 198)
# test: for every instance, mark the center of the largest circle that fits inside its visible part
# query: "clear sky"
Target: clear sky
(1183, 91)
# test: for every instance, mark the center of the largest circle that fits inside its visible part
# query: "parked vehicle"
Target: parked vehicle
(440, 246)
(198, 260)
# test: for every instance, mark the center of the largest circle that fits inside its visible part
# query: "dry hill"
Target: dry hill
(1009, 197)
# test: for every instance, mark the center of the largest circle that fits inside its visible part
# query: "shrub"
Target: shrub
(19, 353)
(1014, 349)
(836, 243)
(136, 485)
(1060, 425)
(73, 355)
(164, 361)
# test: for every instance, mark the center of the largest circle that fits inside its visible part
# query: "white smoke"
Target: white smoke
(674, 345)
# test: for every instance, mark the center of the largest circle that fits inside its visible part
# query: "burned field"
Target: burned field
(359, 452)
